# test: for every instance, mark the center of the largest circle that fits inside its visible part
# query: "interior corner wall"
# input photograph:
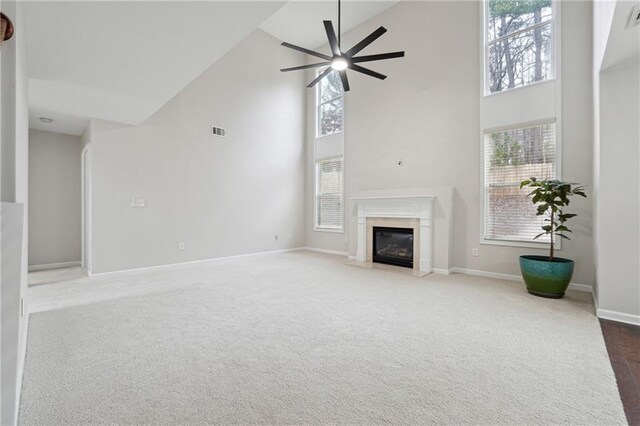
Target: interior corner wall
(85, 138)
(236, 195)
(603, 12)
(14, 195)
(427, 114)
(618, 202)
(54, 198)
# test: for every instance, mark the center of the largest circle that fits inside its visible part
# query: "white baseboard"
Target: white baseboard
(573, 286)
(581, 287)
(618, 316)
(487, 274)
(53, 266)
(319, 250)
(350, 257)
(442, 271)
(169, 265)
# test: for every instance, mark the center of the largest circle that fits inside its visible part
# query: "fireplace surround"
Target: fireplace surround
(411, 211)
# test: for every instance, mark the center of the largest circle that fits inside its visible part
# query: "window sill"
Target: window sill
(330, 134)
(488, 94)
(330, 230)
(523, 244)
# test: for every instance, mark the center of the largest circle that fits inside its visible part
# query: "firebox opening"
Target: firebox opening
(393, 246)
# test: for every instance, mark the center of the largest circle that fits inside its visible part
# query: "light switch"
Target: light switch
(137, 202)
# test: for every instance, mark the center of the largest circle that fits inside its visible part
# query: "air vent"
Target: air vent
(635, 17)
(219, 131)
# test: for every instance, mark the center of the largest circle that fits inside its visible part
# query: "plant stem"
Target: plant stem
(552, 247)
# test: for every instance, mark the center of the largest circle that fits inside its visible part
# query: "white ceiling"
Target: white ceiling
(123, 60)
(299, 22)
(623, 45)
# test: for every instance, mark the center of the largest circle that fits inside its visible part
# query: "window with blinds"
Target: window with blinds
(329, 194)
(511, 156)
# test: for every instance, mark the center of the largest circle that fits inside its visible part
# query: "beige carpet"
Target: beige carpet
(300, 337)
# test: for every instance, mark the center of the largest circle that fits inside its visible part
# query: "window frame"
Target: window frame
(554, 23)
(483, 192)
(320, 104)
(316, 227)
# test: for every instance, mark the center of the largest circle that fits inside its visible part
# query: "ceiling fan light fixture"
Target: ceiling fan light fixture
(341, 60)
(339, 64)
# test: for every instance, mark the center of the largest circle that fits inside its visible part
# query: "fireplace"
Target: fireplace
(396, 211)
(393, 246)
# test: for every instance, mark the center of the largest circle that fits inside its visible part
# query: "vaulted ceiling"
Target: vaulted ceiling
(623, 44)
(123, 60)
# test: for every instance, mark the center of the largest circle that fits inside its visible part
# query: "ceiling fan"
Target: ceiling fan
(342, 60)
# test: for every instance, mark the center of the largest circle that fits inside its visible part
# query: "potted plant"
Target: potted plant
(549, 276)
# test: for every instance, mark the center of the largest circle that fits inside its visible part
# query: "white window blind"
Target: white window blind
(519, 48)
(511, 156)
(330, 105)
(329, 194)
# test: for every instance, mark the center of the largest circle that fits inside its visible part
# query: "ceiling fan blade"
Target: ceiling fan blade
(365, 42)
(307, 51)
(304, 67)
(367, 71)
(331, 35)
(345, 80)
(380, 57)
(322, 75)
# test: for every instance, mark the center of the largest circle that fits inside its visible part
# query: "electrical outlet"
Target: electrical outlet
(474, 252)
(181, 245)
(275, 237)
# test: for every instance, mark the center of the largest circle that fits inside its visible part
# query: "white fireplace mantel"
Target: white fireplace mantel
(418, 207)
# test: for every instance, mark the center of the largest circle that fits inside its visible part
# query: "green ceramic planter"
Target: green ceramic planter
(544, 278)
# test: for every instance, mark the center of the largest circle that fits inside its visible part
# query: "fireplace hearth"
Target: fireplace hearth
(393, 246)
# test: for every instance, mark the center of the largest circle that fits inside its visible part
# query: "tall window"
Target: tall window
(519, 48)
(329, 194)
(511, 156)
(330, 105)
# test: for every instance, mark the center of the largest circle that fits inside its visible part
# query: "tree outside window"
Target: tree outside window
(330, 105)
(519, 50)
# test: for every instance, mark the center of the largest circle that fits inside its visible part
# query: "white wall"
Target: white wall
(221, 196)
(54, 198)
(427, 113)
(14, 194)
(616, 176)
(618, 203)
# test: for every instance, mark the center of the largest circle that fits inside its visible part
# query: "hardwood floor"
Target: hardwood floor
(623, 345)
